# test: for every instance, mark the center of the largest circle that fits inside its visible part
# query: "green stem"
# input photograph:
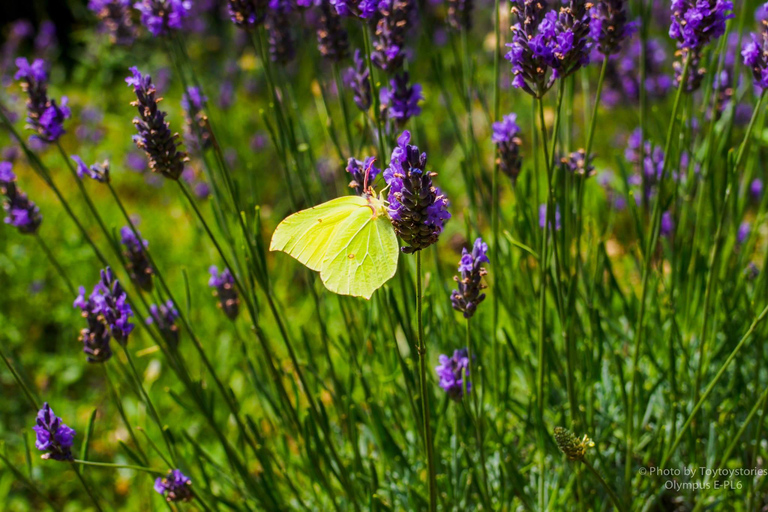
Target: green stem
(614, 497)
(56, 264)
(422, 349)
(87, 487)
(118, 466)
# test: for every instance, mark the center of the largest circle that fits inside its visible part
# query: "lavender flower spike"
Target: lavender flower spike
(223, 284)
(469, 295)
(155, 137)
(505, 136)
(357, 78)
(460, 14)
(98, 172)
(247, 14)
(579, 164)
(451, 373)
(609, 27)
(175, 486)
(332, 38)
(400, 101)
(115, 16)
(161, 17)
(21, 213)
(389, 38)
(164, 317)
(358, 170)
(52, 435)
(44, 115)
(417, 208)
(278, 24)
(198, 130)
(137, 260)
(755, 54)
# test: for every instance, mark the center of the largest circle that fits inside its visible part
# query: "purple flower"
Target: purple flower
(164, 317)
(579, 164)
(548, 46)
(417, 208)
(175, 486)
(44, 115)
(52, 435)
(667, 224)
(394, 20)
(282, 48)
(695, 23)
(223, 284)
(609, 27)
(756, 189)
(543, 216)
(364, 9)
(98, 172)
(357, 78)
(622, 81)
(469, 295)
(400, 101)
(451, 373)
(744, 229)
(506, 137)
(247, 14)
(115, 19)
(198, 131)
(137, 260)
(755, 51)
(161, 17)
(20, 212)
(107, 313)
(332, 38)
(154, 137)
(362, 173)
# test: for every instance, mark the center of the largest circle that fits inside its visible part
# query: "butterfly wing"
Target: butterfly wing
(305, 235)
(361, 256)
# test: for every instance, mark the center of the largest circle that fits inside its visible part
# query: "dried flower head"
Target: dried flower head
(573, 447)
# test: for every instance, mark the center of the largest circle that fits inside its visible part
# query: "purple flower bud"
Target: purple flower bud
(115, 19)
(417, 208)
(609, 26)
(362, 173)
(247, 14)
(137, 260)
(357, 78)
(451, 373)
(44, 116)
(162, 17)
(756, 189)
(98, 172)
(469, 295)
(20, 212)
(543, 216)
(164, 317)
(394, 19)
(744, 229)
(223, 284)
(506, 137)
(667, 224)
(695, 23)
(175, 486)
(198, 133)
(278, 24)
(579, 164)
(154, 137)
(332, 38)
(400, 101)
(52, 435)
(755, 51)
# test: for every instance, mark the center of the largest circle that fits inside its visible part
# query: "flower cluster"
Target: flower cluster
(278, 24)
(578, 163)
(137, 260)
(155, 137)
(357, 78)
(400, 101)
(97, 172)
(417, 208)
(469, 295)
(543, 216)
(364, 9)
(52, 435)
(622, 81)
(164, 317)
(362, 173)
(44, 115)
(108, 315)
(545, 48)
(573, 447)
(452, 372)
(224, 288)
(394, 19)
(162, 17)
(755, 54)
(174, 486)
(20, 212)
(506, 137)
(247, 14)
(609, 26)
(332, 38)
(198, 130)
(115, 18)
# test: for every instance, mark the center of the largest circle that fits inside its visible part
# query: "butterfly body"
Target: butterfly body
(349, 240)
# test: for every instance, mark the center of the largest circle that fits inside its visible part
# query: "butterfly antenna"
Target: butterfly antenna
(367, 172)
